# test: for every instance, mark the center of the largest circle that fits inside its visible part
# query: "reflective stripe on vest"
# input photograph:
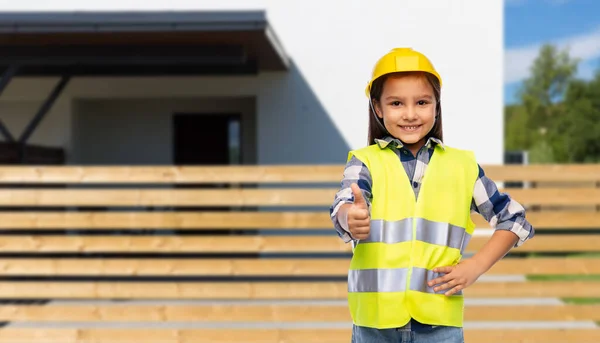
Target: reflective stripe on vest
(435, 233)
(391, 280)
(389, 271)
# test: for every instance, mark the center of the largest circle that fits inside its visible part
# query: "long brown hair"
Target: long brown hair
(376, 127)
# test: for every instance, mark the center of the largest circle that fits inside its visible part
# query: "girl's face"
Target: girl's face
(407, 106)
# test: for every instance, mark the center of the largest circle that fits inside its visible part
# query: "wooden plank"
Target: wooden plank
(262, 174)
(554, 220)
(268, 290)
(176, 267)
(172, 290)
(543, 289)
(240, 220)
(179, 313)
(246, 197)
(166, 197)
(153, 335)
(173, 174)
(544, 172)
(171, 220)
(549, 243)
(245, 244)
(335, 267)
(547, 266)
(249, 313)
(532, 313)
(183, 244)
(548, 335)
(556, 196)
(236, 335)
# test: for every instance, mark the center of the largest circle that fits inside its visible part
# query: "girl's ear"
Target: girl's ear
(377, 107)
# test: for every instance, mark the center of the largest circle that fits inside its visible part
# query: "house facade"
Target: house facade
(236, 82)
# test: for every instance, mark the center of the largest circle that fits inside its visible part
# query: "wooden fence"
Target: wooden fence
(158, 248)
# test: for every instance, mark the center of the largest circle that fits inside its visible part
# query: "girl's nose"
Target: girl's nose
(410, 113)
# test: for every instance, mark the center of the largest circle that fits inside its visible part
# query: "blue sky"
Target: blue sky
(531, 23)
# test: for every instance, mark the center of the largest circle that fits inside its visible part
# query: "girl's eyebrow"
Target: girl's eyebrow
(424, 96)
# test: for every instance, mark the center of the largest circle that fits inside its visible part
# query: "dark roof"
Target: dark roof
(45, 22)
(38, 33)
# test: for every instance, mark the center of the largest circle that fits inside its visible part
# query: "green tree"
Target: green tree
(558, 117)
(577, 132)
(516, 128)
(551, 73)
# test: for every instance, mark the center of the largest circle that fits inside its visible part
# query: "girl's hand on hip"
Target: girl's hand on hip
(457, 277)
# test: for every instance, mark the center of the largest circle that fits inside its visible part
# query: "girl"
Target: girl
(405, 203)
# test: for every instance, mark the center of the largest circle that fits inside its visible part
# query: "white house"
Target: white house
(189, 82)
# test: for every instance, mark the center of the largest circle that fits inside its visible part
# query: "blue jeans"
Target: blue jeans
(437, 334)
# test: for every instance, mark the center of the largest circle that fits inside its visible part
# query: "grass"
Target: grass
(563, 277)
(581, 301)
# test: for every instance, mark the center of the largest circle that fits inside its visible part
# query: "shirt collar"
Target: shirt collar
(395, 142)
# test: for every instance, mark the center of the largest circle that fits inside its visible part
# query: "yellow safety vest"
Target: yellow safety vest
(389, 271)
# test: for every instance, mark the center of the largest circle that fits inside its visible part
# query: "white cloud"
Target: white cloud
(587, 69)
(517, 61)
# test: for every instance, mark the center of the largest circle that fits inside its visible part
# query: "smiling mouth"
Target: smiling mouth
(410, 128)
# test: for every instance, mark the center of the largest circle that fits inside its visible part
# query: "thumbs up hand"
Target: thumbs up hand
(358, 215)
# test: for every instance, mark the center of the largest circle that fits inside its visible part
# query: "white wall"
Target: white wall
(291, 124)
(335, 44)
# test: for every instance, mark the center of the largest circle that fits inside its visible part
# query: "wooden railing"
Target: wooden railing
(208, 254)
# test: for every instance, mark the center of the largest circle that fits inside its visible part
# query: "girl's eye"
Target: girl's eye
(422, 102)
(395, 103)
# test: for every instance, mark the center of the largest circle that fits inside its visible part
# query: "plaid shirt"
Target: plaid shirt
(502, 212)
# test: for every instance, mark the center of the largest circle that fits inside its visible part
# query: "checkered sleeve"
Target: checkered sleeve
(354, 172)
(502, 212)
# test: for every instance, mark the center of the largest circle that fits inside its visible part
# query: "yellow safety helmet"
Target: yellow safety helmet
(399, 60)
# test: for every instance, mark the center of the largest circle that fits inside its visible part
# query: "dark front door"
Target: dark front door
(205, 139)
(208, 139)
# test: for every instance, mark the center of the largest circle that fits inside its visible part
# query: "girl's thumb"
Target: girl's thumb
(358, 196)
